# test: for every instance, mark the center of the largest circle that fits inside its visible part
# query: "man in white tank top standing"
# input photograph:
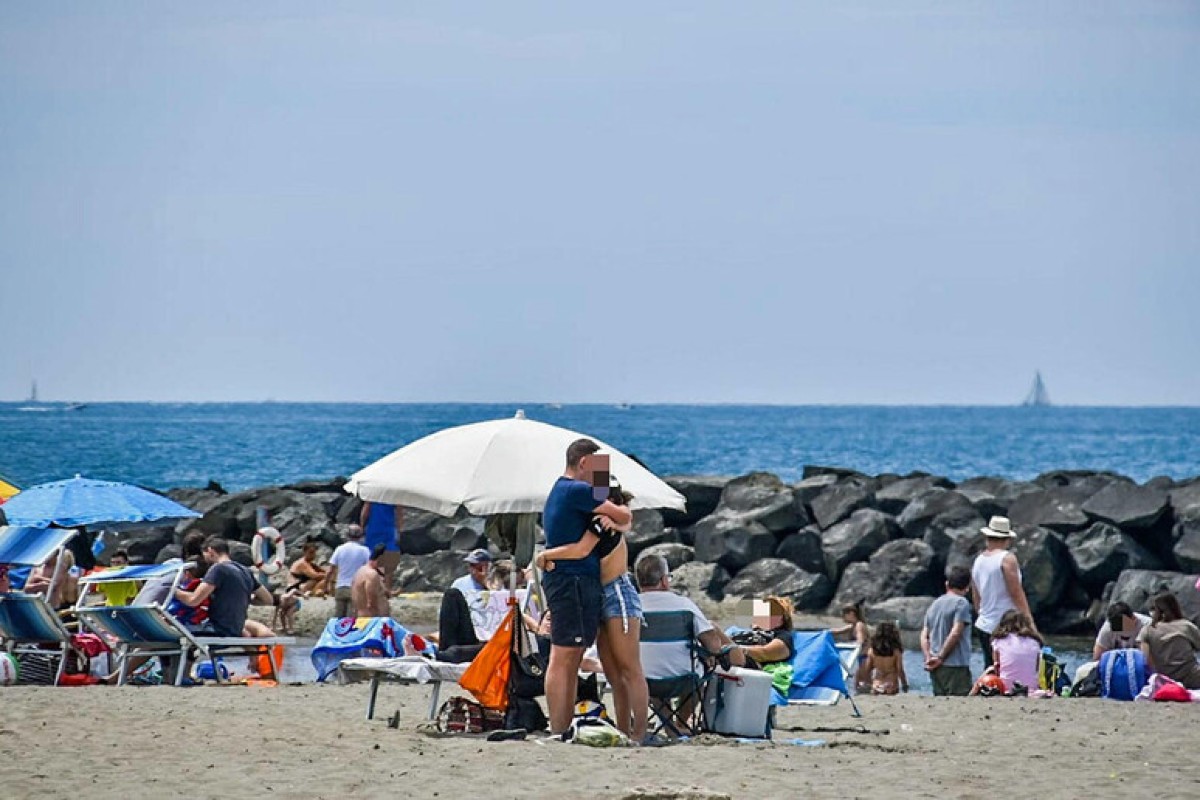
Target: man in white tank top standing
(996, 583)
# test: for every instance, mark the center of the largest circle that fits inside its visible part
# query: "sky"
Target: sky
(780, 202)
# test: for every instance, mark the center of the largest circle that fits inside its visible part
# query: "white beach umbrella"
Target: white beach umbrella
(504, 466)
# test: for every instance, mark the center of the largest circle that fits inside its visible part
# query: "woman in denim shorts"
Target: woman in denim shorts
(621, 616)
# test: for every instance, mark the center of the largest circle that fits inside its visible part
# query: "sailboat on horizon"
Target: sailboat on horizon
(1038, 396)
(32, 403)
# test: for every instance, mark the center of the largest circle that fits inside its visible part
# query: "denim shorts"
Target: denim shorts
(574, 602)
(621, 601)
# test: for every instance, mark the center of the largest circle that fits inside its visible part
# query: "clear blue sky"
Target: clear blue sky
(793, 202)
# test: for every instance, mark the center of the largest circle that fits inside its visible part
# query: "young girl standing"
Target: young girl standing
(885, 661)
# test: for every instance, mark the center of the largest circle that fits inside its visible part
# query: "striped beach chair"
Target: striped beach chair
(141, 631)
(28, 625)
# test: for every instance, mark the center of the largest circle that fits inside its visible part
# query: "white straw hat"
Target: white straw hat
(999, 528)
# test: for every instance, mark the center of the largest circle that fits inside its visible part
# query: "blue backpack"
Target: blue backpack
(1122, 674)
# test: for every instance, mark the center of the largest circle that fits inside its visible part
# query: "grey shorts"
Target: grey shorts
(951, 681)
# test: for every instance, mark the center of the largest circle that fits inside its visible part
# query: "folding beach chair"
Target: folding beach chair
(28, 625)
(141, 631)
(676, 701)
(819, 671)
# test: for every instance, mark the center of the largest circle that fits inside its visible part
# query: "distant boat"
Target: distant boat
(1038, 396)
(34, 404)
(623, 406)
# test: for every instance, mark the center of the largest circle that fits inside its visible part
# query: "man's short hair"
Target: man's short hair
(1117, 613)
(580, 448)
(378, 550)
(217, 544)
(958, 578)
(193, 544)
(121, 553)
(650, 570)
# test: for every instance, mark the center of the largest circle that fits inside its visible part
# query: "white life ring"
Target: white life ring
(268, 536)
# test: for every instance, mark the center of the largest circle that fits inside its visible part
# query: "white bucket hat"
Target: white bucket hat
(999, 528)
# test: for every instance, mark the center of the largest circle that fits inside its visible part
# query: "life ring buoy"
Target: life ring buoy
(271, 537)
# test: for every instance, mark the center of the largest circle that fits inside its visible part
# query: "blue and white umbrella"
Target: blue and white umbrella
(82, 502)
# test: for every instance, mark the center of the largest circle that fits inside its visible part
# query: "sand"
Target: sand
(312, 741)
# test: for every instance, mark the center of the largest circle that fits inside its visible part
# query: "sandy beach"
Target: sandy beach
(312, 741)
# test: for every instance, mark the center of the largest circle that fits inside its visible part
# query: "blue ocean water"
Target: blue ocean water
(252, 444)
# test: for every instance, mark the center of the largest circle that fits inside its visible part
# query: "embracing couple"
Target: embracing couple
(588, 590)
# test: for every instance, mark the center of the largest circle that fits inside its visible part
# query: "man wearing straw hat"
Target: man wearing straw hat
(996, 583)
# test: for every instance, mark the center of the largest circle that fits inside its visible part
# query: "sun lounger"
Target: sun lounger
(27, 622)
(140, 631)
(407, 671)
(29, 625)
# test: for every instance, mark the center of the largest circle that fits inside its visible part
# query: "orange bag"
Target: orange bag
(262, 665)
(487, 677)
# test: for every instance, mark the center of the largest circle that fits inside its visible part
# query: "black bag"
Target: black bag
(528, 676)
(525, 713)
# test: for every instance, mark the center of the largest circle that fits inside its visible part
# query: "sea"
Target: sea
(242, 445)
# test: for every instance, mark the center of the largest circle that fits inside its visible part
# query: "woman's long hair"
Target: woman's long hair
(781, 607)
(886, 640)
(1015, 623)
(1164, 607)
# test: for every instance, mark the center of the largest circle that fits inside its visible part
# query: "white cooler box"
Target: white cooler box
(738, 702)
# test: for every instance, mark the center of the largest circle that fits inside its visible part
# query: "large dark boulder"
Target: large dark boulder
(907, 612)
(1045, 567)
(234, 516)
(429, 573)
(894, 497)
(841, 500)
(350, 512)
(676, 554)
(702, 493)
(732, 542)
(939, 518)
(765, 499)
(143, 544)
(803, 548)
(964, 548)
(1059, 508)
(1136, 587)
(648, 531)
(1102, 552)
(1185, 500)
(899, 568)
(815, 470)
(783, 578)
(1127, 505)
(700, 581)
(809, 488)
(855, 539)
(1065, 621)
(1084, 481)
(1187, 544)
(992, 496)
(199, 500)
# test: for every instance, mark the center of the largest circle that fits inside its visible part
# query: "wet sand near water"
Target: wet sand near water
(312, 741)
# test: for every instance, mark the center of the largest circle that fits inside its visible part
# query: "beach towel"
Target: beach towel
(356, 637)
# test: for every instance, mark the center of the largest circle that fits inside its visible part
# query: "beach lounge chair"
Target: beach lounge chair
(28, 625)
(819, 671)
(148, 630)
(407, 671)
(669, 695)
